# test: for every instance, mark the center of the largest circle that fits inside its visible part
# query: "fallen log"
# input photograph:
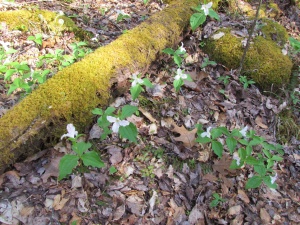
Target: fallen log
(68, 97)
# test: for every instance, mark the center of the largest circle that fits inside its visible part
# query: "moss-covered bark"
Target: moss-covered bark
(40, 21)
(264, 62)
(72, 93)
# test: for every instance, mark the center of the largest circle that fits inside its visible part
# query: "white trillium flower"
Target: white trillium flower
(274, 178)
(117, 123)
(61, 21)
(180, 75)
(207, 133)
(237, 158)
(121, 12)
(181, 48)
(244, 131)
(72, 133)
(206, 8)
(136, 80)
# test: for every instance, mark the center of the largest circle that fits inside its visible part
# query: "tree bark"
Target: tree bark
(40, 119)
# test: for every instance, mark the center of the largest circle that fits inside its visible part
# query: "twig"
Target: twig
(249, 39)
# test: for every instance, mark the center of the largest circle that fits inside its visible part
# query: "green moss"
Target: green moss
(264, 62)
(274, 31)
(40, 21)
(287, 127)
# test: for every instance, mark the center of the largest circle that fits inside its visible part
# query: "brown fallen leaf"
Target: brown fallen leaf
(196, 216)
(264, 215)
(51, 169)
(234, 210)
(186, 137)
(222, 165)
(259, 122)
(242, 195)
(210, 177)
(59, 202)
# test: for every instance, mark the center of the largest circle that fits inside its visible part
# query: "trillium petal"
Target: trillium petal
(177, 77)
(237, 158)
(123, 123)
(111, 119)
(115, 127)
(71, 131)
(244, 131)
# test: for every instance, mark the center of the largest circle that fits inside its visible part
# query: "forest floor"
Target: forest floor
(166, 178)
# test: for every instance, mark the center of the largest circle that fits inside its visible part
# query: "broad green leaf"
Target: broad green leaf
(214, 203)
(249, 149)
(243, 141)
(16, 84)
(216, 132)
(231, 144)
(66, 165)
(217, 148)
(203, 140)
(147, 82)
(267, 153)
(224, 130)
(237, 133)
(277, 158)
(253, 161)
(198, 8)
(23, 67)
(81, 147)
(92, 158)
(169, 51)
(112, 170)
(242, 153)
(213, 14)
(109, 110)
(177, 60)
(9, 73)
(261, 170)
(105, 133)
(270, 163)
(127, 111)
(189, 78)
(267, 181)
(135, 91)
(177, 84)
(253, 182)
(197, 19)
(256, 140)
(129, 132)
(234, 165)
(268, 146)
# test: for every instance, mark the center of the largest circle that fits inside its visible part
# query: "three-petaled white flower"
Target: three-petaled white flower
(274, 178)
(72, 133)
(180, 75)
(206, 8)
(136, 80)
(121, 12)
(207, 133)
(117, 123)
(181, 48)
(244, 131)
(61, 21)
(237, 158)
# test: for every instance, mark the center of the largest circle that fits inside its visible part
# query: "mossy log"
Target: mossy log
(41, 118)
(41, 21)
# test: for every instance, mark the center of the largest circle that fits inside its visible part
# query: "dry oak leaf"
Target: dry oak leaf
(186, 137)
(223, 165)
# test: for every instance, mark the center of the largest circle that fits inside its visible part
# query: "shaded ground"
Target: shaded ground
(164, 179)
